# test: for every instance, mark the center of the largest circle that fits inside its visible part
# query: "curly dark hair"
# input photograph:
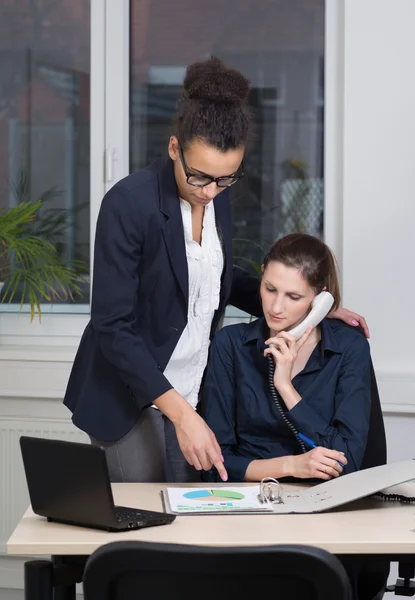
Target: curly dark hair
(213, 106)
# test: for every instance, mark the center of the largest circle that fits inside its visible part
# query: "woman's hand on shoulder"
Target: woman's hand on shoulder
(321, 463)
(351, 318)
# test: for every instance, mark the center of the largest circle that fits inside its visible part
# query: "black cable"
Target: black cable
(274, 394)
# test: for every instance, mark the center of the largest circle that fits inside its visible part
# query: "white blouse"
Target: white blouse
(205, 265)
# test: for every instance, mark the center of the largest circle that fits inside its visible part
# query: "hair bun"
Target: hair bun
(211, 81)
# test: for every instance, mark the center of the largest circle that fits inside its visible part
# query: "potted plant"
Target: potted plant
(31, 268)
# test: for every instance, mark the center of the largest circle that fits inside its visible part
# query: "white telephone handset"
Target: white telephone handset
(320, 307)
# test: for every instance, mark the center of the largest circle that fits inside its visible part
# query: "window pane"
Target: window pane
(279, 46)
(44, 120)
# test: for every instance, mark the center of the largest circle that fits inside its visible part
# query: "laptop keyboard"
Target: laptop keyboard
(122, 513)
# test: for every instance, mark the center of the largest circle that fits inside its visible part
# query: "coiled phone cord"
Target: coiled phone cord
(274, 395)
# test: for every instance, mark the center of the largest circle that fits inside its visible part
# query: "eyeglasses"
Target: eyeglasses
(203, 180)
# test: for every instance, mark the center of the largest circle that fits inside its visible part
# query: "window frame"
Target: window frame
(62, 325)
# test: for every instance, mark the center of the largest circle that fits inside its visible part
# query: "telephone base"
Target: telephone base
(403, 587)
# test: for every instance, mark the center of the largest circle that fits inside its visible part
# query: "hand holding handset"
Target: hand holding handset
(320, 307)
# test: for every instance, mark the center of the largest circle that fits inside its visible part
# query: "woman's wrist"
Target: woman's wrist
(173, 405)
(285, 466)
(281, 466)
(289, 394)
(288, 466)
(284, 387)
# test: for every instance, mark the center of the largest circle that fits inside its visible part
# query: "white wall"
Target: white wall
(378, 240)
(378, 208)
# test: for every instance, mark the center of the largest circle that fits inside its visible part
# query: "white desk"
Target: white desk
(366, 527)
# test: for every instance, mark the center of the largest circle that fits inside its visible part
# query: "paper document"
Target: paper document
(214, 500)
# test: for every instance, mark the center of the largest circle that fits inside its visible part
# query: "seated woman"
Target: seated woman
(322, 380)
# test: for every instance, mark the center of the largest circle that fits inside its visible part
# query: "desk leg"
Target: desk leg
(65, 592)
(68, 571)
(38, 580)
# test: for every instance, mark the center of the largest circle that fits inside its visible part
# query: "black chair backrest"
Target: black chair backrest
(145, 570)
(374, 574)
(375, 453)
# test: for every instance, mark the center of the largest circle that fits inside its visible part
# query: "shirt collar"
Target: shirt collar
(329, 341)
(258, 331)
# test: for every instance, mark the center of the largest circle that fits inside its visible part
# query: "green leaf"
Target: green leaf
(251, 242)
(32, 259)
(251, 263)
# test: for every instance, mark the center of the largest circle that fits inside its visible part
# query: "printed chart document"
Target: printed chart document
(212, 500)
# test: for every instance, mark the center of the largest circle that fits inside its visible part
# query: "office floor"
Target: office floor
(19, 595)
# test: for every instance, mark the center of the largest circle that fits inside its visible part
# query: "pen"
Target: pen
(311, 444)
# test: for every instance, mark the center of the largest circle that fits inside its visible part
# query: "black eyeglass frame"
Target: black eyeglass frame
(217, 180)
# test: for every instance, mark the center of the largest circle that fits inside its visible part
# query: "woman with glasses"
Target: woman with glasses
(163, 276)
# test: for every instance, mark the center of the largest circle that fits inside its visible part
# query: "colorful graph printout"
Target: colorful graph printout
(214, 500)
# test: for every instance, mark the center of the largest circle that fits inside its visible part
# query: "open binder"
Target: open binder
(270, 498)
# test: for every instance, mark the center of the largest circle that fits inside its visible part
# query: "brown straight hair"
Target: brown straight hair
(312, 258)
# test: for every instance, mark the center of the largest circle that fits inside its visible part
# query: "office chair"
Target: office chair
(374, 574)
(142, 570)
(375, 452)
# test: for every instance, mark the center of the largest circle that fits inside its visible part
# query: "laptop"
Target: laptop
(69, 483)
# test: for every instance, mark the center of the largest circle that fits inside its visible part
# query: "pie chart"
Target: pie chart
(213, 495)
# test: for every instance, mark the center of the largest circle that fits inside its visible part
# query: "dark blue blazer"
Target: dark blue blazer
(140, 300)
